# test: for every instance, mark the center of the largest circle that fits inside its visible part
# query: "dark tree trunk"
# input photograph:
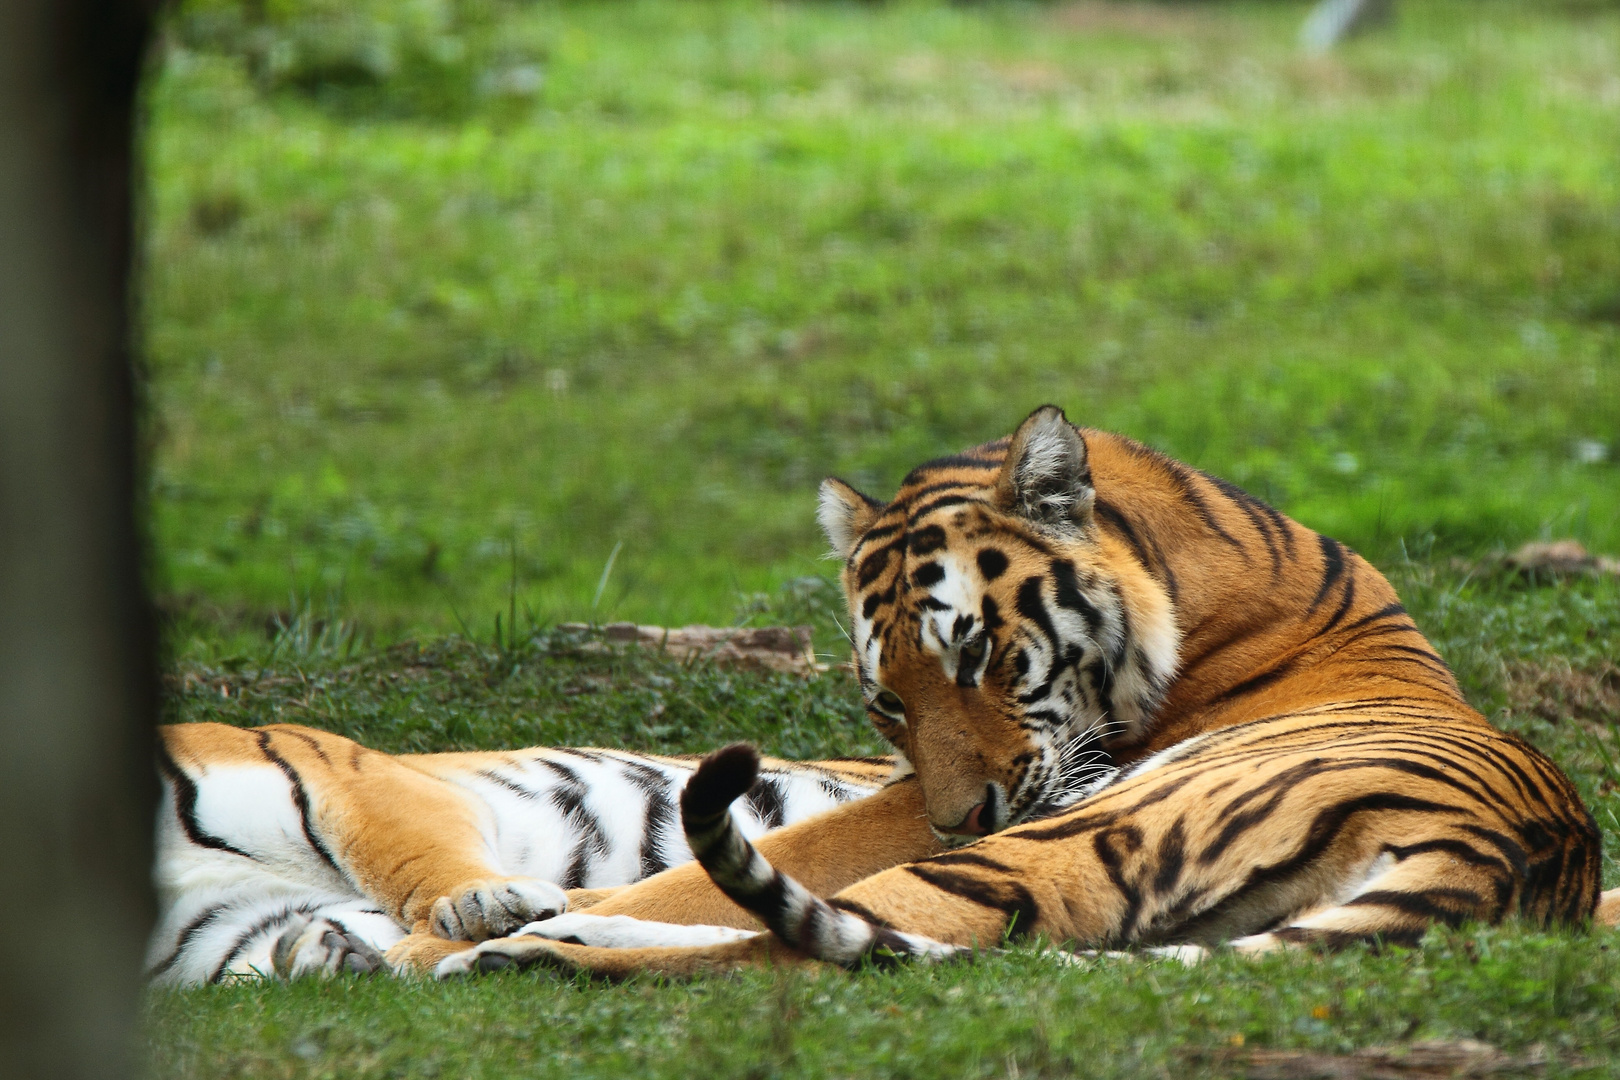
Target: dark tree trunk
(76, 646)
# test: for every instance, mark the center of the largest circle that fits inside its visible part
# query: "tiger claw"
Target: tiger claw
(499, 954)
(493, 908)
(323, 948)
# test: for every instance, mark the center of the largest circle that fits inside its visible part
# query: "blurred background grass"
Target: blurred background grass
(449, 298)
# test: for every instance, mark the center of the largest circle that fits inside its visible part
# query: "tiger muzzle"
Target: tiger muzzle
(981, 820)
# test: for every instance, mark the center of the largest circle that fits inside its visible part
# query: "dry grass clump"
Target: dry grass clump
(1557, 691)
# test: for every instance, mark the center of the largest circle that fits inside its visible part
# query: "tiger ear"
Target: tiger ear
(844, 514)
(1047, 476)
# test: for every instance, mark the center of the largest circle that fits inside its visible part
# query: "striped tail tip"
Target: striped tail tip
(721, 779)
(792, 912)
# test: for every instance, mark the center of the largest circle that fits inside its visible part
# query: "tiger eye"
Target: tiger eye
(974, 649)
(889, 702)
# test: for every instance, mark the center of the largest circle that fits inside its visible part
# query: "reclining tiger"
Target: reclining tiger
(287, 850)
(1133, 706)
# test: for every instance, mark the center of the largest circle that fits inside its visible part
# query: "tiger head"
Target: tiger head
(1001, 639)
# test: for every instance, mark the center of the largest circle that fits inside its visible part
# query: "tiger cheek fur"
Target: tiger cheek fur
(1000, 639)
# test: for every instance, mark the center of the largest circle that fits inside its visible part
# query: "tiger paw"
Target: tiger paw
(512, 952)
(419, 954)
(494, 907)
(323, 948)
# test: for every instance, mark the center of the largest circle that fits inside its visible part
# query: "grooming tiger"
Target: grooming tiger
(1264, 748)
(290, 850)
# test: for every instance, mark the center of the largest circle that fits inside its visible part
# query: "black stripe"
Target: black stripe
(1183, 478)
(1332, 568)
(185, 803)
(657, 818)
(926, 540)
(1069, 595)
(1423, 906)
(877, 532)
(1457, 849)
(1085, 818)
(189, 931)
(1157, 566)
(1171, 858)
(1113, 846)
(1262, 522)
(516, 788)
(253, 931)
(1032, 606)
(312, 743)
(1324, 830)
(1254, 683)
(860, 911)
(940, 503)
(913, 494)
(1343, 609)
(766, 800)
(874, 563)
(954, 461)
(970, 858)
(1384, 612)
(1009, 897)
(875, 601)
(569, 799)
(301, 800)
(1427, 654)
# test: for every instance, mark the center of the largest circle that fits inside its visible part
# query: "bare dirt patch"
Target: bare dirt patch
(1433, 1058)
(1556, 691)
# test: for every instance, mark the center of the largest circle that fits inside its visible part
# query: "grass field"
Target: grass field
(449, 302)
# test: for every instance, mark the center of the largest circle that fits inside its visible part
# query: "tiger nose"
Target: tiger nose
(971, 825)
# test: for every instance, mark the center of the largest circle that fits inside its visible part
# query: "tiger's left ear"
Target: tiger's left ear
(1047, 477)
(845, 514)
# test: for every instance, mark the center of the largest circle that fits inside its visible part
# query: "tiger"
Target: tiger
(1138, 708)
(288, 851)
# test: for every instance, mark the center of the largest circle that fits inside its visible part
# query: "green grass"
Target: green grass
(726, 249)
(447, 300)
(1019, 1015)
(1531, 657)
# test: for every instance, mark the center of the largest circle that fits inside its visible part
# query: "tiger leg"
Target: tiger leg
(1397, 903)
(419, 954)
(358, 820)
(612, 963)
(584, 899)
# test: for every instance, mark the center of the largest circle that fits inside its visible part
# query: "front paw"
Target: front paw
(323, 948)
(511, 952)
(494, 907)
